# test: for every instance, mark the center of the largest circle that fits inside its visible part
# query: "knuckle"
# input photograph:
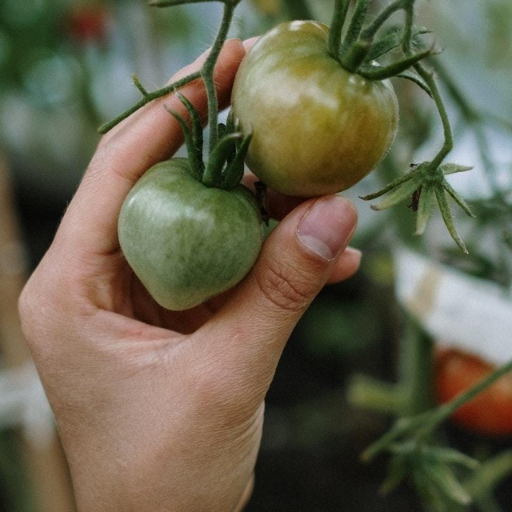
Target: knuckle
(284, 287)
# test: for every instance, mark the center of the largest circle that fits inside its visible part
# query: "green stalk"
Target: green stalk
(338, 21)
(382, 18)
(147, 98)
(416, 369)
(207, 73)
(356, 24)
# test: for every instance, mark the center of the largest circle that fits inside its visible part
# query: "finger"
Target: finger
(346, 266)
(151, 135)
(296, 262)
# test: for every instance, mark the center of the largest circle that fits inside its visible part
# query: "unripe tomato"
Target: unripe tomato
(318, 129)
(490, 412)
(186, 242)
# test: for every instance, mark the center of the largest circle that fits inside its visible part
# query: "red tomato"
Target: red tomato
(490, 412)
(88, 23)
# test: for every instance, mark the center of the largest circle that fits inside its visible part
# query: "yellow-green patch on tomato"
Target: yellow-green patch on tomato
(318, 129)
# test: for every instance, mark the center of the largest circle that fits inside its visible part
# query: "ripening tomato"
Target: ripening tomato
(186, 242)
(318, 129)
(490, 412)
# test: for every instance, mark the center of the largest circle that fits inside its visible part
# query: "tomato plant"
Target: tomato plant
(187, 242)
(491, 411)
(318, 128)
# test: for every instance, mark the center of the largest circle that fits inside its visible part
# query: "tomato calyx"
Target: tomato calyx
(357, 51)
(426, 183)
(225, 166)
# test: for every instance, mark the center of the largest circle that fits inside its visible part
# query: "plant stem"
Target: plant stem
(338, 21)
(207, 73)
(416, 369)
(150, 96)
(356, 24)
(429, 79)
(382, 18)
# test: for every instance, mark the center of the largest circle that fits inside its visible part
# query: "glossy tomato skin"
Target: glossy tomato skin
(490, 413)
(186, 242)
(318, 129)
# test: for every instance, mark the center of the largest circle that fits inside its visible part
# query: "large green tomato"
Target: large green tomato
(318, 129)
(187, 242)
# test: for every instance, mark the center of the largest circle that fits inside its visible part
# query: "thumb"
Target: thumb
(296, 262)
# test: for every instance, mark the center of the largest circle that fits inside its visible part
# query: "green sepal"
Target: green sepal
(235, 170)
(425, 205)
(395, 183)
(356, 25)
(454, 168)
(399, 194)
(356, 55)
(447, 217)
(382, 73)
(218, 158)
(194, 157)
(458, 199)
(391, 41)
(398, 470)
(444, 479)
(413, 77)
(451, 456)
(197, 126)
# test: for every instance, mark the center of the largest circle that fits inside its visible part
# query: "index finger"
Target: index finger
(146, 138)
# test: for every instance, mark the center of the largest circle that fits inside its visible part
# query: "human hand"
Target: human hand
(157, 410)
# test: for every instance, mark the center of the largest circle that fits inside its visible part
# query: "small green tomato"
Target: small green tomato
(186, 242)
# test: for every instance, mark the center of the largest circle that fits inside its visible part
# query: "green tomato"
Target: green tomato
(186, 242)
(318, 129)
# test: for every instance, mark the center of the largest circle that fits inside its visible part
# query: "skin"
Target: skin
(490, 413)
(186, 242)
(318, 129)
(157, 410)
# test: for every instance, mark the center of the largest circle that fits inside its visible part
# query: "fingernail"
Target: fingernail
(249, 43)
(328, 226)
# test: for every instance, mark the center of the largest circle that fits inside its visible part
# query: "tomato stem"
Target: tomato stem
(338, 21)
(356, 25)
(207, 73)
(379, 21)
(356, 55)
(149, 97)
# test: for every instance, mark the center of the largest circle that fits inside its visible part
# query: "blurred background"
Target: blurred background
(65, 68)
